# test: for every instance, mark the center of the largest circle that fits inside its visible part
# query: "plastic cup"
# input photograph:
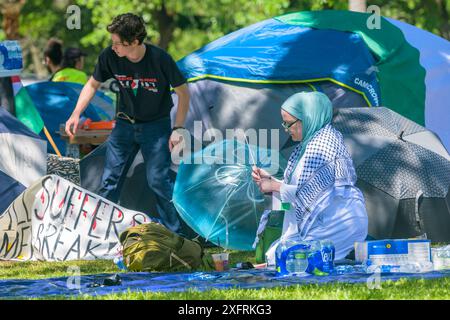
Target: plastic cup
(221, 261)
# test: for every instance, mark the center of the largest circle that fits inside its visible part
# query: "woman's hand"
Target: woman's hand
(265, 185)
(269, 185)
(265, 182)
(258, 174)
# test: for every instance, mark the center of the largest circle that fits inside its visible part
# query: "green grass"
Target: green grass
(420, 289)
(402, 289)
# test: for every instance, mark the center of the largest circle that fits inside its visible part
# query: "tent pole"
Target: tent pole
(50, 139)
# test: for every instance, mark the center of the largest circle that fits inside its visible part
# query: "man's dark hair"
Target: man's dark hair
(128, 27)
(54, 51)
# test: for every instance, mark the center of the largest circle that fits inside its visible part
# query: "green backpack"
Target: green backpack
(153, 247)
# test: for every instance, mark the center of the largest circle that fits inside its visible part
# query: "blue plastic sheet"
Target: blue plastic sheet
(179, 282)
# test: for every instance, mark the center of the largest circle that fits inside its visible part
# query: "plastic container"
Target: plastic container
(221, 261)
(119, 263)
(393, 251)
(441, 258)
(300, 258)
(411, 267)
(327, 252)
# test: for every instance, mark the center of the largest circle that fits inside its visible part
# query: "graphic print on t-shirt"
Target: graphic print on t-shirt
(128, 82)
(135, 86)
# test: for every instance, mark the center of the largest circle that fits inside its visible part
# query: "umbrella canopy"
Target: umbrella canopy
(403, 171)
(216, 196)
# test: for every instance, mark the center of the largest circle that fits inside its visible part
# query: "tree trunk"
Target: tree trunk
(166, 26)
(357, 5)
(10, 10)
(444, 30)
(33, 57)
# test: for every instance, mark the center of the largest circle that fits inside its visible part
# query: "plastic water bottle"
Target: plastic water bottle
(441, 258)
(119, 263)
(409, 267)
(297, 261)
(292, 256)
(327, 251)
(344, 269)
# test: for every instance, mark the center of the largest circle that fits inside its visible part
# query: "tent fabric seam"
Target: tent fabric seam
(211, 76)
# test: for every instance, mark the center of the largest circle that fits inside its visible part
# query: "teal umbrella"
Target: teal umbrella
(216, 196)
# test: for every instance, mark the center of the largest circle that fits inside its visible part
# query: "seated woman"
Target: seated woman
(319, 182)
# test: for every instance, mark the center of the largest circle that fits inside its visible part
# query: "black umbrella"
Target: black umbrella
(403, 171)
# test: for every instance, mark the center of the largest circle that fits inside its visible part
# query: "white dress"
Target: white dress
(343, 218)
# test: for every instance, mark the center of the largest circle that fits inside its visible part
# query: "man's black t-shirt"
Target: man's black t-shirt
(144, 85)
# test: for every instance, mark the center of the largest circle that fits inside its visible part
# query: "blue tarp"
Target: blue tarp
(275, 52)
(179, 282)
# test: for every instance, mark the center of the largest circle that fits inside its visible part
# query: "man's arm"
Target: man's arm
(86, 95)
(183, 104)
(182, 110)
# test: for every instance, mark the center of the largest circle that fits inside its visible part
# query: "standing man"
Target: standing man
(145, 74)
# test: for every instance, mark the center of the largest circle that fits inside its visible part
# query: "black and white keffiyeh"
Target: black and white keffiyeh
(327, 163)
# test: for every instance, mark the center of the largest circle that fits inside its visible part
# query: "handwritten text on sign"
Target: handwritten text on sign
(63, 222)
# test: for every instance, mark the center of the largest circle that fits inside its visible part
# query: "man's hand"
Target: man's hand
(175, 138)
(72, 124)
(86, 95)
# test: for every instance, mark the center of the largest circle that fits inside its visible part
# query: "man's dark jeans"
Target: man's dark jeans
(152, 138)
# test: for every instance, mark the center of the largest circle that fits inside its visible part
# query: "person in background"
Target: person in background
(71, 67)
(53, 55)
(319, 181)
